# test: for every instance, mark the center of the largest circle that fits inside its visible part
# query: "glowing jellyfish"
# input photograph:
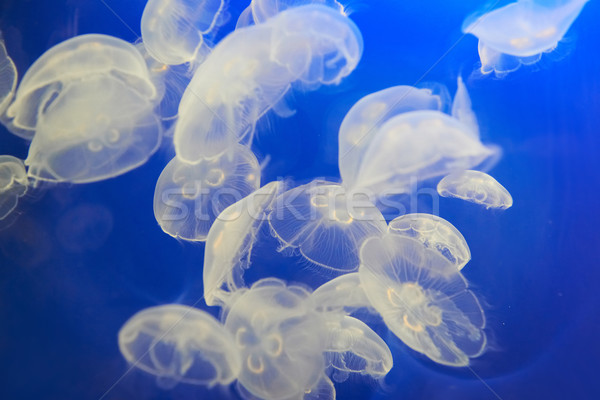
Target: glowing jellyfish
(175, 31)
(280, 340)
(189, 197)
(325, 223)
(476, 187)
(423, 299)
(13, 184)
(251, 70)
(180, 344)
(229, 244)
(342, 295)
(520, 32)
(261, 10)
(8, 77)
(435, 233)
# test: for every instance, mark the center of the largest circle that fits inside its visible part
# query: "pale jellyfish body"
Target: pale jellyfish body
(435, 233)
(325, 224)
(174, 31)
(189, 197)
(229, 244)
(8, 77)
(423, 299)
(252, 69)
(180, 344)
(261, 10)
(476, 187)
(342, 295)
(13, 184)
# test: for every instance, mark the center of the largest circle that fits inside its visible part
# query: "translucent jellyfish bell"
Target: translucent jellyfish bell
(476, 187)
(435, 233)
(423, 299)
(8, 77)
(261, 10)
(325, 223)
(189, 197)
(280, 340)
(180, 344)
(13, 184)
(341, 295)
(229, 244)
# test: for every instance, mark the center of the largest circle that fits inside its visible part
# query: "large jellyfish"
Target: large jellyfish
(13, 184)
(252, 69)
(423, 299)
(476, 187)
(175, 31)
(189, 197)
(261, 10)
(520, 32)
(180, 344)
(325, 224)
(8, 77)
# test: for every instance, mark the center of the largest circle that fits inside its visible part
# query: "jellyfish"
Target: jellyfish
(253, 68)
(342, 295)
(435, 233)
(229, 244)
(189, 197)
(520, 32)
(261, 10)
(8, 77)
(175, 31)
(180, 344)
(280, 340)
(325, 224)
(476, 187)
(423, 299)
(13, 184)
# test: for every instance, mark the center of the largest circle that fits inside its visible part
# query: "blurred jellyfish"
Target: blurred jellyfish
(189, 197)
(325, 223)
(435, 233)
(85, 227)
(252, 69)
(520, 32)
(229, 244)
(180, 344)
(423, 299)
(13, 184)
(8, 77)
(476, 187)
(261, 10)
(175, 31)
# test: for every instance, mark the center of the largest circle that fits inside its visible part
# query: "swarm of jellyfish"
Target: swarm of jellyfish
(92, 108)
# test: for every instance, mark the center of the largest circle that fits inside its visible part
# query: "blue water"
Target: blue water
(81, 259)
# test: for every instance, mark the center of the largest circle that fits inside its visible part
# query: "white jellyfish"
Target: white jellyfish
(342, 295)
(13, 184)
(180, 344)
(252, 69)
(325, 224)
(189, 197)
(8, 77)
(476, 187)
(261, 10)
(518, 33)
(423, 299)
(435, 233)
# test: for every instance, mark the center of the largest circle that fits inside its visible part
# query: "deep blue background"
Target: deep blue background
(81, 259)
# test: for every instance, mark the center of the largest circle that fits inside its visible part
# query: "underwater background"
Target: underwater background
(81, 259)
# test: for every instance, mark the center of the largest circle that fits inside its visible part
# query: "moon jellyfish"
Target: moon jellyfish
(423, 299)
(280, 340)
(341, 295)
(180, 344)
(229, 244)
(175, 31)
(325, 223)
(520, 32)
(8, 77)
(189, 197)
(476, 187)
(251, 70)
(13, 184)
(435, 233)
(261, 10)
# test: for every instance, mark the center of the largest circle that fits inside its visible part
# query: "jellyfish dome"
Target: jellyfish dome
(325, 223)
(13, 184)
(261, 10)
(423, 299)
(476, 187)
(8, 77)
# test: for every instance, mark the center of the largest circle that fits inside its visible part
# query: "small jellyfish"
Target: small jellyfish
(189, 197)
(342, 295)
(476, 187)
(85, 227)
(13, 184)
(280, 339)
(8, 77)
(520, 32)
(180, 344)
(423, 299)
(325, 223)
(229, 244)
(261, 10)
(435, 233)
(175, 31)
